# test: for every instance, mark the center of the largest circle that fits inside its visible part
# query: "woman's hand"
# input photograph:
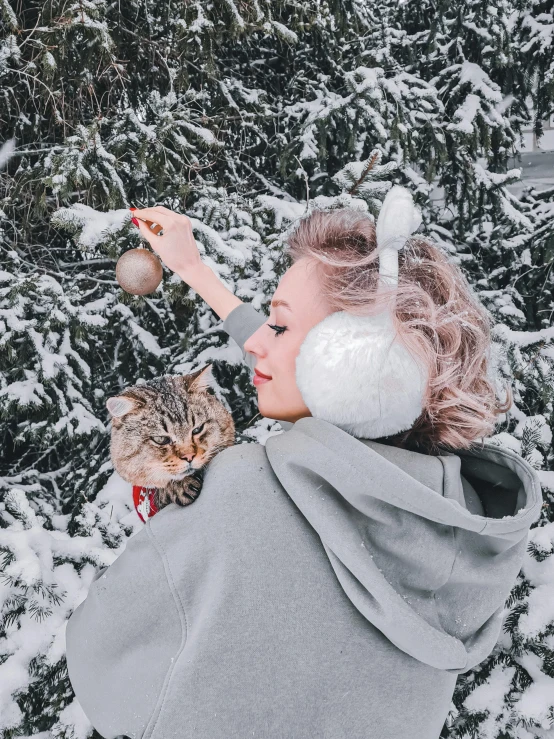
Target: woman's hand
(177, 247)
(179, 252)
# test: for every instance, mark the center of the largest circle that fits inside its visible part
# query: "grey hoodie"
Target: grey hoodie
(320, 586)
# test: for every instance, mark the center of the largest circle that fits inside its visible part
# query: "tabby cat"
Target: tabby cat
(166, 431)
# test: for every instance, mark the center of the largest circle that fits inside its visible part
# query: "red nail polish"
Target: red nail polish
(134, 220)
(132, 208)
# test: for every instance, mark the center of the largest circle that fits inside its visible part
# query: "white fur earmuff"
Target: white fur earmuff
(352, 371)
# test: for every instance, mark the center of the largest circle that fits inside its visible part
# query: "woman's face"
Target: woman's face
(276, 351)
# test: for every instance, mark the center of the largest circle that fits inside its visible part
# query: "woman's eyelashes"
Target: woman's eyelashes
(278, 329)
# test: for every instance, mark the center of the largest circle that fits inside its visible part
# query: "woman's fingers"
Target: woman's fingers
(168, 217)
(156, 224)
(177, 247)
(153, 239)
(163, 209)
(159, 209)
(151, 214)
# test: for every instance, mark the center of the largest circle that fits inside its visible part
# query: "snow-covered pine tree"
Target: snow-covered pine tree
(464, 50)
(470, 53)
(533, 36)
(237, 115)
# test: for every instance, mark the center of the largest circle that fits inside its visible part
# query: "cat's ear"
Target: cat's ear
(120, 405)
(199, 380)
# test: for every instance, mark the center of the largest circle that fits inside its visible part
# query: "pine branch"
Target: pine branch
(371, 163)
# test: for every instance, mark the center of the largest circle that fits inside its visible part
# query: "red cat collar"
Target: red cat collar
(143, 498)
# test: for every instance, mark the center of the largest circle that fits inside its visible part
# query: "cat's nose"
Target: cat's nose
(189, 456)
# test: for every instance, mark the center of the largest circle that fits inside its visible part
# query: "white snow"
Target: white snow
(35, 548)
(96, 225)
(145, 337)
(6, 152)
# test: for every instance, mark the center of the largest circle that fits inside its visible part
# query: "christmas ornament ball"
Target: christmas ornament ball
(139, 271)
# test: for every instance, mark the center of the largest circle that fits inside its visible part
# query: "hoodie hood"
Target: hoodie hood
(427, 548)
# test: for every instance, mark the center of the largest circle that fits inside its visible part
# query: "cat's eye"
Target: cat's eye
(161, 440)
(198, 429)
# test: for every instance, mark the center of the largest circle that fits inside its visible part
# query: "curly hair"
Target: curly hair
(435, 311)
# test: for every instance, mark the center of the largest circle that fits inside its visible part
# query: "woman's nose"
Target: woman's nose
(253, 345)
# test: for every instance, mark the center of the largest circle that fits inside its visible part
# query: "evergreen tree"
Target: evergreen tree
(533, 34)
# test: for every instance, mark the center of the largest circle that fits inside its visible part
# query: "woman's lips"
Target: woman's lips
(259, 378)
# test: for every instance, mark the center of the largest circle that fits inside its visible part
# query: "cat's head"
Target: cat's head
(167, 428)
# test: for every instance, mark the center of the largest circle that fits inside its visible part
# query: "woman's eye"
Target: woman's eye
(161, 440)
(198, 429)
(278, 329)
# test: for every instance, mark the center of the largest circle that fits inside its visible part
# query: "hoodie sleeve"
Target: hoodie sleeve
(240, 324)
(122, 640)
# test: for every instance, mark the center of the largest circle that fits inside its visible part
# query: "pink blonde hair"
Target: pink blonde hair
(436, 314)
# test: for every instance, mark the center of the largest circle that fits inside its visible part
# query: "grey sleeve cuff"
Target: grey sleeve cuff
(240, 324)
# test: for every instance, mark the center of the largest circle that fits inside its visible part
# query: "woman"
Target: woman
(326, 584)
